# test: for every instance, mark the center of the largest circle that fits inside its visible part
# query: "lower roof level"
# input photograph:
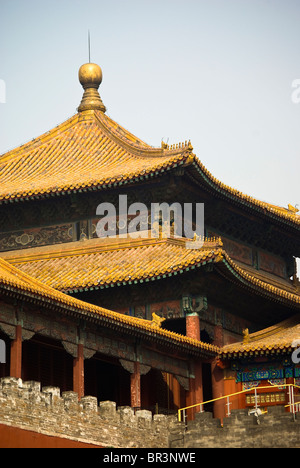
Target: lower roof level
(100, 263)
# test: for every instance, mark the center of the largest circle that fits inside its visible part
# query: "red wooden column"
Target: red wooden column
(231, 386)
(195, 394)
(16, 354)
(193, 325)
(198, 384)
(78, 372)
(135, 386)
(217, 373)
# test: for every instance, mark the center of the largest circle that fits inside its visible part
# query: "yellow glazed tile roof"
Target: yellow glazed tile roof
(87, 151)
(99, 263)
(278, 338)
(14, 281)
(90, 151)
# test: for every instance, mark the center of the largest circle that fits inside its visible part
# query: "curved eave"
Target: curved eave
(203, 177)
(164, 337)
(61, 267)
(43, 295)
(145, 278)
(279, 339)
(223, 265)
(104, 184)
(236, 274)
(260, 351)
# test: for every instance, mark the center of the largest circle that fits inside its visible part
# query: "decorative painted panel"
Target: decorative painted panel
(167, 309)
(272, 372)
(36, 237)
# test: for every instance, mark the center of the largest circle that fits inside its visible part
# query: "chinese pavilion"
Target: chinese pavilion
(140, 320)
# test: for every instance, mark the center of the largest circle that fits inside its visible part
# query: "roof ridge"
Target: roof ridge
(98, 245)
(102, 118)
(46, 136)
(135, 144)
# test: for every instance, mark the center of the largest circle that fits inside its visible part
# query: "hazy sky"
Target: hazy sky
(217, 72)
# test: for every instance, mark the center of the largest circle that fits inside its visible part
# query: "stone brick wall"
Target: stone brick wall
(25, 405)
(276, 429)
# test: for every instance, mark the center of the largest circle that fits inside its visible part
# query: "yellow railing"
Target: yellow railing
(292, 403)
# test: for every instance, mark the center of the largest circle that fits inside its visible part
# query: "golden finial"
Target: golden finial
(90, 77)
(157, 320)
(292, 209)
(246, 337)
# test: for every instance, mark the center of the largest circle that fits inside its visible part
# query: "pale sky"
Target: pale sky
(217, 72)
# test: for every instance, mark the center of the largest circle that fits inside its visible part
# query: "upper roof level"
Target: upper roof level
(88, 151)
(91, 152)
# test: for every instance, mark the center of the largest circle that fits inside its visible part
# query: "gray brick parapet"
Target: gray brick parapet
(25, 405)
(275, 429)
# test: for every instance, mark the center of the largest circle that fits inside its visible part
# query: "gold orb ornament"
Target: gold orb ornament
(90, 77)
